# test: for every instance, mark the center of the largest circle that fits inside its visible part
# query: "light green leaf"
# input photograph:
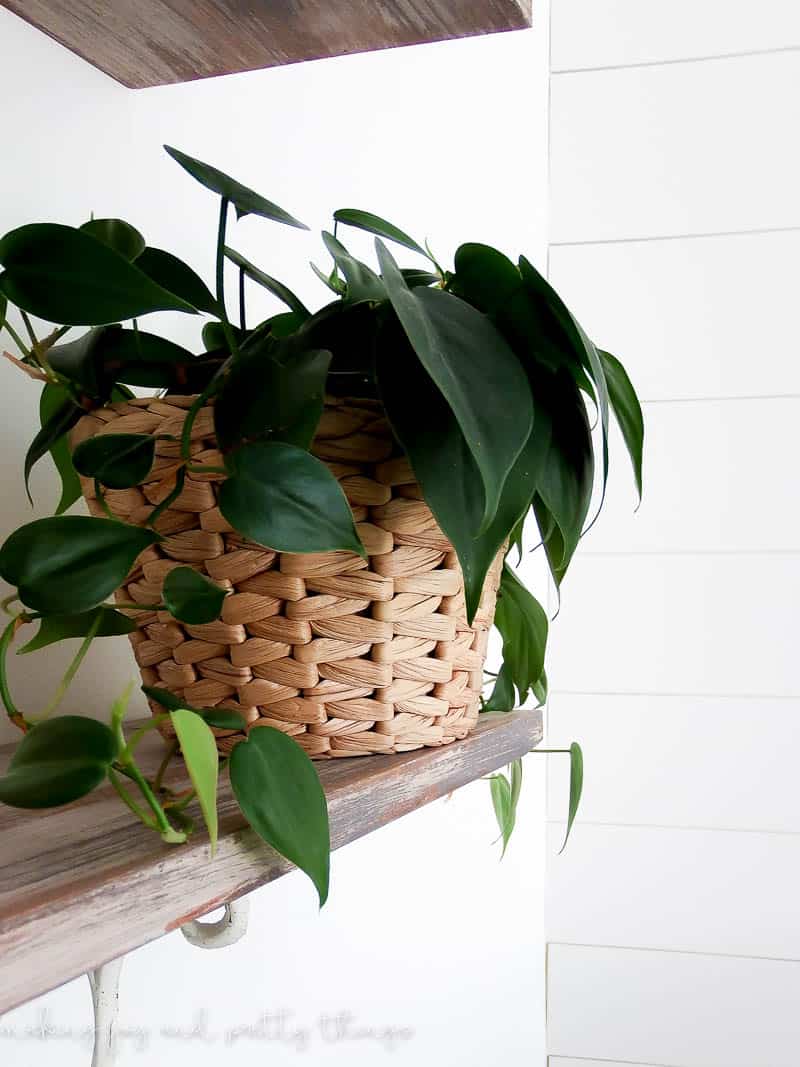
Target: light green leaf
(199, 750)
(575, 787)
(362, 282)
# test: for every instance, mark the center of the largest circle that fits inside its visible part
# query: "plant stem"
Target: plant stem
(101, 498)
(29, 328)
(200, 468)
(128, 800)
(162, 767)
(12, 710)
(159, 510)
(72, 670)
(126, 756)
(15, 337)
(131, 605)
(163, 826)
(9, 600)
(551, 751)
(242, 319)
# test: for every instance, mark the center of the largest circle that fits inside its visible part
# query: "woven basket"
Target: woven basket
(350, 656)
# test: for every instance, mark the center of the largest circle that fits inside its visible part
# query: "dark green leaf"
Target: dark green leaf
(117, 460)
(285, 499)
(364, 220)
(199, 750)
(59, 422)
(271, 284)
(177, 277)
(503, 697)
(119, 235)
(53, 628)
(191, 597)
(575, 787)
(485, 277)
(57, 762)
(67, 276)
(261, 397)
(280, 795)
(414, 277)
(52, 399)
(468, 360)
(540, 690)
(627, 410)
(70, 563)
(243, 199)
(219, 718)
(213, 334)
(523, 626)
(362, 282)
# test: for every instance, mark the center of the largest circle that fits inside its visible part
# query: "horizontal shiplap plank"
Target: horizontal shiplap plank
(700, 624)
(672, 1008)
(568, 1061)
(681, 890)
(651, 759)
(694, 318)
(599, 33)
(699, 457)
(680, 149)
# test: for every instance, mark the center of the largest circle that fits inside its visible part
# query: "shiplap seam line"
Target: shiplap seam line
(675, 826)
(554, 1057)
(754, 231)
(611, 553)
(674, 951)
(672, 694)
(676, 61)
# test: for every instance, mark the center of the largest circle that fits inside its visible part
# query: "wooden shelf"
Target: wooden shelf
(157, 42)
(73, 880)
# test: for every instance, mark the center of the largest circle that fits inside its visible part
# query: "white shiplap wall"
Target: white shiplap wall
(675, 236)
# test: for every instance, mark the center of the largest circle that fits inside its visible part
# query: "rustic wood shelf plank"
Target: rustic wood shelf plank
(73, 880)
(158, 42)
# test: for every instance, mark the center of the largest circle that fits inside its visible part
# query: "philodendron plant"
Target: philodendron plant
(489, 384)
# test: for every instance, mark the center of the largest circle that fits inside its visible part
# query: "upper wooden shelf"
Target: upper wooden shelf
(87, 883)
(143, 43)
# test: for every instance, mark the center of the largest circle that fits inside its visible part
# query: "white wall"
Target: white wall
(675, 235)
(424, 929)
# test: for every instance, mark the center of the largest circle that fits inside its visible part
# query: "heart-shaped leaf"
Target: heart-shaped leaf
(177, 277)
(52, 400)
(286, 499)
(271, 284)
(67, 276)
(191, 597)
(627, 411)
(362, 282)
(243, 199)
(365, 220)
(118, 460)
(199, 750)
(220, 718)
(119, 235)
(503, 696)
(70, 563)
(58, 422)
(468, 360)
(57, 762)
(53, 628)
(280, 795)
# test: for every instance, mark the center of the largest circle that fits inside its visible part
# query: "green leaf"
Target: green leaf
(53, 628)
(332, 281)
(268, 282)
(71, 563)
(523, 626)
(191, 597)
(199, 750)
(540, 690)
(445, 467)
(52, 398)
(484, 277)
(64, 416)
(503, 697)
(280, 795)
(220, 718)
(262, 397)
(500, 788)
(177, 277)
(468, 360)
(364, 220)
(67, 276)
(285, 499)
(243, 199)
(362, 282)
(117, 460)
(414, 277)
(627, 411)
(119, 235)
(57, 762)
(508, 802)
(575, 787)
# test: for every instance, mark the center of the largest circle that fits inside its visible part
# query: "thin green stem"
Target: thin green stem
(201, 468)
(552, 751)
(128, 800)
(29, 328)
(12, 710)
(126, 756)
(159, 509)
(172, 748)
(72, 670)
(242, 317)
(101, 499)
(17, 339)
(131, 605)
(168, 832)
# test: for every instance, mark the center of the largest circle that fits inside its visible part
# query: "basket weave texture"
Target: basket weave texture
(350, 656)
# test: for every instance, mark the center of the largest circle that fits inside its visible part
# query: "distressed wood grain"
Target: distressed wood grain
(158, 42)
(73, 880)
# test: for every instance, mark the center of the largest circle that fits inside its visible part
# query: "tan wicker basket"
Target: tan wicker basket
(350, 656)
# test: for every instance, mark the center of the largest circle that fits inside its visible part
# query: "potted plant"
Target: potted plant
(304, 531)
